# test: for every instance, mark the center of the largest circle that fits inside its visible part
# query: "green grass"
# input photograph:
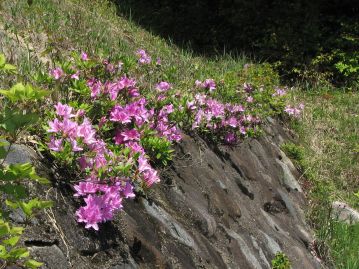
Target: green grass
(328, 137)
(95, 28)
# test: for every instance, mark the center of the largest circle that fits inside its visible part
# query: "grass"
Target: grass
(328, 137)
(66, 25)
(48, 30)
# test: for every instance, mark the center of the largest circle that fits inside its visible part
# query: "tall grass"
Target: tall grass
(329, 136)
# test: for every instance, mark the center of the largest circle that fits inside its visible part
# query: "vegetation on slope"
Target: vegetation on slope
(42, 34)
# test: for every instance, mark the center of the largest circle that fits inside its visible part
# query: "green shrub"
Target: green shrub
(18, 114)
(158, 148)
(293, 151)
(281, 261)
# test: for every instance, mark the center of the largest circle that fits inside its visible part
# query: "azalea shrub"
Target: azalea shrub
(117, 121)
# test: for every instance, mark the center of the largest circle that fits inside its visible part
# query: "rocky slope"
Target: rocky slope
(216, 207)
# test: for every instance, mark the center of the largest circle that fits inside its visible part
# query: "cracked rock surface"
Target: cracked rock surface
(216, 207)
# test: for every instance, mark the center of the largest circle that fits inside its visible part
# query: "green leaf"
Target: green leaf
(16, 230)
(17, 191)
(21, 92)
(11, 204)
(4, 229)
(3, 152)
(14, 119)
(3, 252)
(18, 253)
(10, 68)
(32, 204)
(33, 264)
(12, 241)
(2, 60)
(21, 171)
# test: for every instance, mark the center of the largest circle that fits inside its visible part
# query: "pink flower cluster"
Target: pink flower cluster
(164, 126)
(209, 84)
(225, 118)
(163, 86)
(102, 200)
(144, 58)
(57, 73)
(279, 92)
(112, 88)
(294, 111)
(102, 190)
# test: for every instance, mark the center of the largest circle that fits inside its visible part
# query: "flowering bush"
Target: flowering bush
(294, 111)
(114, 129)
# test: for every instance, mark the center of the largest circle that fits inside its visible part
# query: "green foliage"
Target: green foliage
(20, 92)
(280, 261)
(260, 75)
(293, 151)
(158, 148)
(15, 117)
(6, 67)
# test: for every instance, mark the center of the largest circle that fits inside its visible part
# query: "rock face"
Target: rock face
(216, 207)
(343, 212)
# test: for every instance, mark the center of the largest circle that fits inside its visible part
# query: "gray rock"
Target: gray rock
(176, 230)
(345, 213)
(272, 244)
(20, 154)
(52, 256)
(288, 178)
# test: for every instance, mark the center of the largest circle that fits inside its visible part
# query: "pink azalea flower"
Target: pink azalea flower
(131, 135)
(64, 110)
(144, 57)
(232, 121)
(127, 191)
(76, 75)
(118, 138)
(86, 131)
(163, 86)
(242, 130)
(198, 83)
(110, 68)
(134, 146)
(85, 188)
(84, 162)
(55, 144)
(209, 84)
(161, 97)
(247, 87)
(279, 92)
(57, 73)
(69, 128)
(55, 126)
(95, 87)
(84, 56)
(143, 164)
(75, 146)
(249, 99)
(119, 114)
(133, 92)
(230, 138)
(150, 176)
